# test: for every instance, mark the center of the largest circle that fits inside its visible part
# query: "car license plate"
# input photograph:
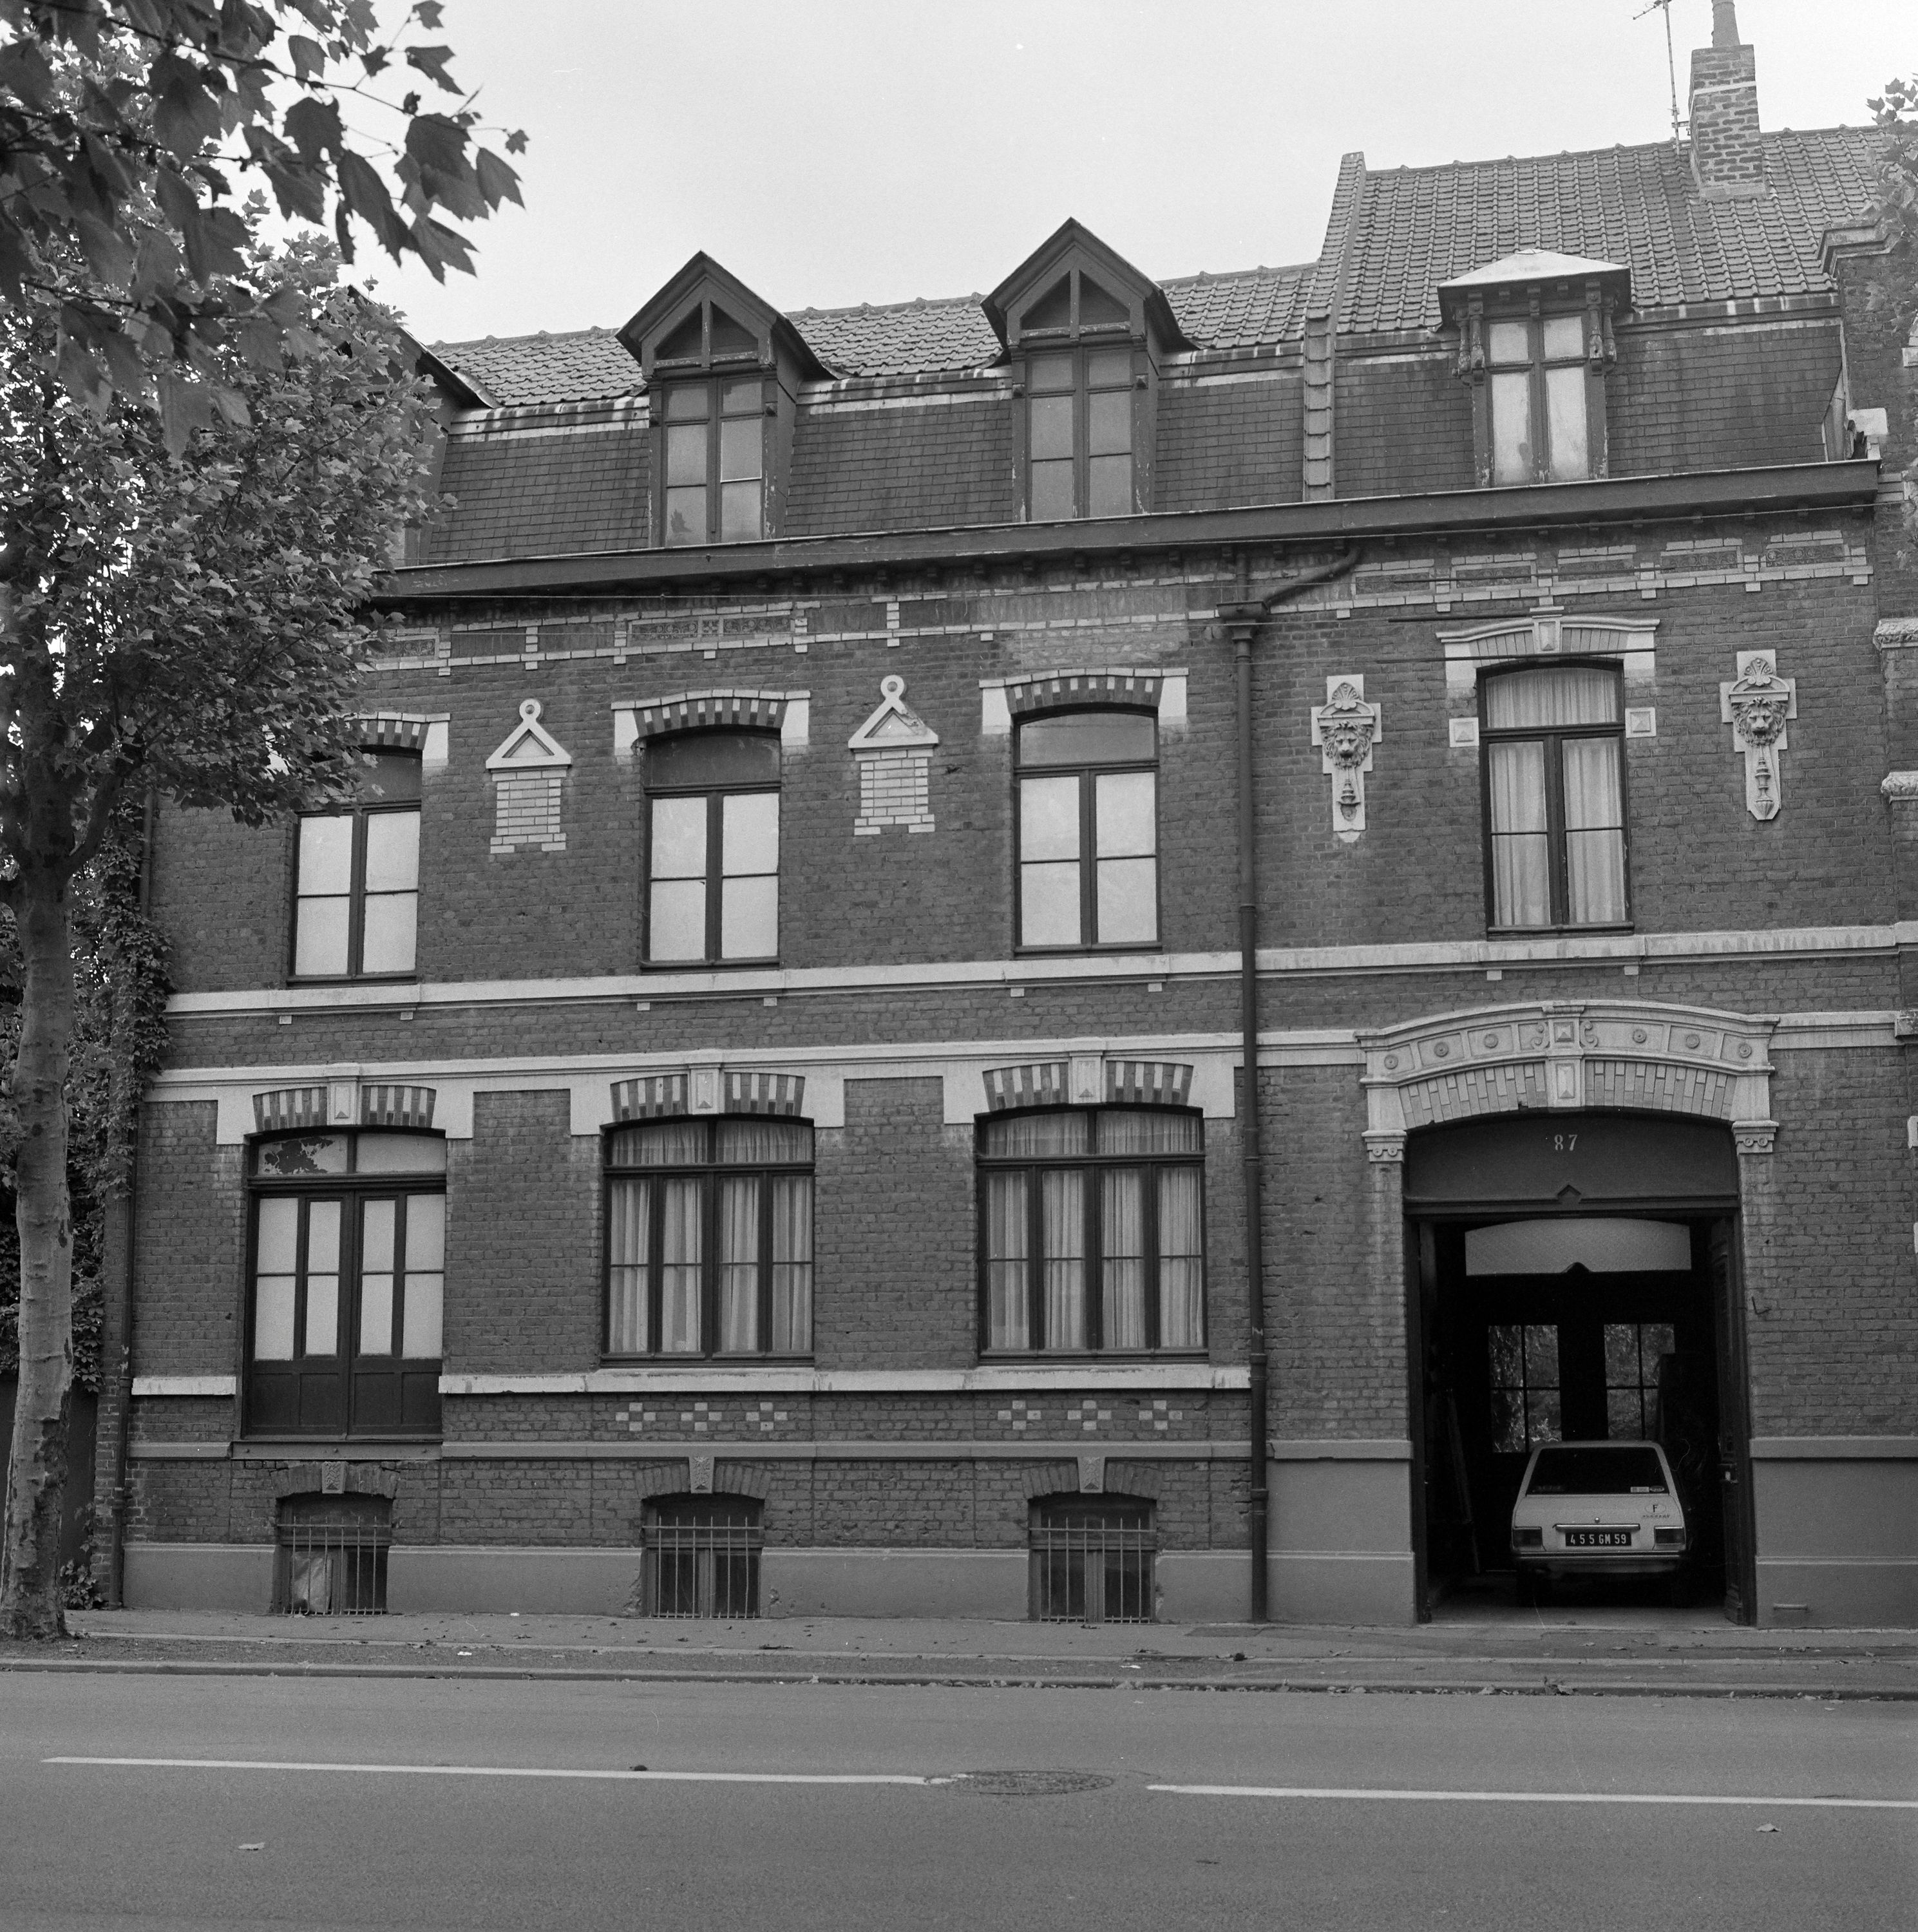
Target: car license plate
(1598, 1539)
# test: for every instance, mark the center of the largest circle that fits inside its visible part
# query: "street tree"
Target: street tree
(190, 622)
(133, 133)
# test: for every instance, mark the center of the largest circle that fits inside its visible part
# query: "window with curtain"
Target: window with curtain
(1541, 425)
(1092, 1230)
(348, 1284)
(356, 877)
(709, 1238)
(713, 848)
(1553, 745)
(1089, 830)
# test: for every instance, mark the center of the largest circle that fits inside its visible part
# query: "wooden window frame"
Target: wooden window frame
(1554, 738)
(359, 812)
(1093, 1256)
(709, 1172)
(714, 386)
(715, 796)
(351, 1188)
(1081, 390)
(1088, 880)
(1594, 316)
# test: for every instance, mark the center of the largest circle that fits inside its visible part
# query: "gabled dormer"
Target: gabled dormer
(1084, 333)
(1534, 341)
(722, 368)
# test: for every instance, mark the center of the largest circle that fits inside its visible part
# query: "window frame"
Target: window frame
(1080, 350)
(712, 959)
(1088, 775)
(715, 384)
(359, 812)
(1093, 1255)
(351, 1188)
(1553, 737)
(709, 1172)
(1532, 312)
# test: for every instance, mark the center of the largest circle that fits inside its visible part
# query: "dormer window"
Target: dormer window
(722, 370)
(1534, 341)
(1541, 432)
(1084, 333)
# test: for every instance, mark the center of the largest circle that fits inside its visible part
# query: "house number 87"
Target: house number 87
(1564, 1143)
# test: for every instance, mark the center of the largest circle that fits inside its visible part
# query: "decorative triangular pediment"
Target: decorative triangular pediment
(1073, 281)
(707, 315)
(529, 746)
(894, 726)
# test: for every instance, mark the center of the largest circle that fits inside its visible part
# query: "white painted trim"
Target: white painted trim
(1198, 1375)
(1413, 956)
(214, 1385)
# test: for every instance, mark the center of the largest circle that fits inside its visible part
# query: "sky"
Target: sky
(829, 152)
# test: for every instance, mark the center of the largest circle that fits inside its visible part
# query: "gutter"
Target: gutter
(1774, 489)
(1242, 621)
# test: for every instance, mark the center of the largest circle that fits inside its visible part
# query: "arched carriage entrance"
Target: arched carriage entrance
(1573, 1182)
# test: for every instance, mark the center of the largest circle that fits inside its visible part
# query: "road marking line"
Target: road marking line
(1532, 1797)
(502, 1771)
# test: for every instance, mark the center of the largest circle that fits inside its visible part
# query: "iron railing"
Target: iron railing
(703, 1567)
(1092, 1574)
(335, 1569)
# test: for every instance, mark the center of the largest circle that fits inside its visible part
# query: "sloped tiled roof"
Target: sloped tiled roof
(1409, 230)
(583, 365)
(1249, 309)
(914, 338)
(1417, 227)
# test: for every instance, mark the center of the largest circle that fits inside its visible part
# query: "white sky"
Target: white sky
(834, 151)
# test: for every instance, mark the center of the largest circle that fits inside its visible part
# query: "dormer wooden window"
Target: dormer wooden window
(722, 369)
(1084, 332)
(1534, 341)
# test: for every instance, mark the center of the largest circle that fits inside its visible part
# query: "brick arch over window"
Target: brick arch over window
(1569, 1055)
(1088, 1080)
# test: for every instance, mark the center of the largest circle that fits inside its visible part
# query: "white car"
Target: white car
(1596, 1509)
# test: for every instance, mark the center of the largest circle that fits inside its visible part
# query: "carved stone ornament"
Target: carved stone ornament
(1757, 705)
(1345, 728)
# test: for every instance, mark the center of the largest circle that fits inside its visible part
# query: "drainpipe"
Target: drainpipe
(1241, 621)
(116, 1380)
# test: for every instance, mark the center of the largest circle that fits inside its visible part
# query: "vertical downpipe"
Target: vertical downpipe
(1258, 1511)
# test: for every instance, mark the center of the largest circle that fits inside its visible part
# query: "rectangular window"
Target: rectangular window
(357, 878)
(714, 436)
(1088, 865)
(1079, 434)
(709, 1238)
(1091, 1231)
(349, 1284)
(1539, 397)
(1554, 778)
(1633, 1352)
(713, 862)
(1525, 1386)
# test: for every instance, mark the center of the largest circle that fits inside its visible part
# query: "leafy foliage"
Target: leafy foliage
(131, 132)
(1887, 314)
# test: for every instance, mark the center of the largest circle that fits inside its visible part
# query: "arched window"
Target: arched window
(713, 848)
(1092, 1559)
(709, 1237)
(1554, 753)
(348, 1284)
(1088, 832)
(1092, 1230)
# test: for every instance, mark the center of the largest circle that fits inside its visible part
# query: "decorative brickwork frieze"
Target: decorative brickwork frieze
(287, 1107)
(1478, 1090)
(1038, 1083)
(1148, 1083)
(893, 751)
(711, 710)
(387, 732)
(757, 1093)
(1118, 689)
(381, 1106)
(1664, 1090)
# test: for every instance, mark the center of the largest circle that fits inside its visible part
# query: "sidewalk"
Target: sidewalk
(1597, 1652)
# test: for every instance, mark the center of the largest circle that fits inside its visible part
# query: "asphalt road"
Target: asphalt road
(427, 1805)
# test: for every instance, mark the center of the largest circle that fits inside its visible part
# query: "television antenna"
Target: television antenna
(1671, 62)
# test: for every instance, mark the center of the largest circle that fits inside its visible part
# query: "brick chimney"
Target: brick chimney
(1727, 158)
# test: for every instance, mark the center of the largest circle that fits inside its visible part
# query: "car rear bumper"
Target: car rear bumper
(1599, 1562)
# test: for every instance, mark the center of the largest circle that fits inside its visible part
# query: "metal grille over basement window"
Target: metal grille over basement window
(702, 1557)
(332, 1556)
(1092, 1560)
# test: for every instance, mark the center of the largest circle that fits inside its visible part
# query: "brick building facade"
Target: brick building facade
(788, 1113)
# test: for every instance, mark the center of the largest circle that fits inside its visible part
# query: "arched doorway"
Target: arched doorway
(1574, 1279)
(1572, 1182)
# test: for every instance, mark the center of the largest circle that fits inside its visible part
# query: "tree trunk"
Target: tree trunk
(30, 1605)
